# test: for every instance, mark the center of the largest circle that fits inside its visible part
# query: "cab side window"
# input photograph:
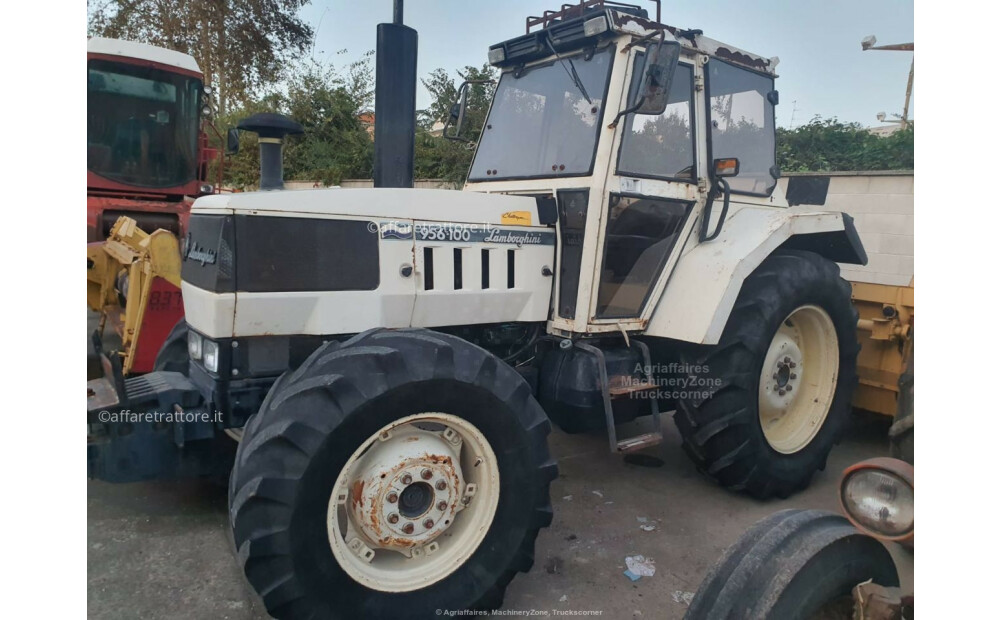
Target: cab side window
(661, 146)
(742, 108)
(641, 233)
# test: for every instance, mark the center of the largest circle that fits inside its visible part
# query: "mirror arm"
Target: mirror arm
(638, 104)
(723, 186)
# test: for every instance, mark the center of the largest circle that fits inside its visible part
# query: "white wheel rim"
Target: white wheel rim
(401, 515)
(798, 379)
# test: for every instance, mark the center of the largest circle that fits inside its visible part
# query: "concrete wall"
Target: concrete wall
(881, 204)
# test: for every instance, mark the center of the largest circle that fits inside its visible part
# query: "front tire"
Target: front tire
(360, 459)
(779, 383)
(173, 354)
(789, 566)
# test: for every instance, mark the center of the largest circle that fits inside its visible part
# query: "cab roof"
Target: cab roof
(141, 51)
(578, 26)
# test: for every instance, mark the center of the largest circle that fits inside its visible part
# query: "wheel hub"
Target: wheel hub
(785, 359)
(408, 491)
(798, 379)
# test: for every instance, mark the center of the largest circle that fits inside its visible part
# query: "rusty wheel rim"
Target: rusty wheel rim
(413, 502)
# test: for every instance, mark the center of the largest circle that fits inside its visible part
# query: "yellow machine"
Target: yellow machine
(885, 330)
(134, 279)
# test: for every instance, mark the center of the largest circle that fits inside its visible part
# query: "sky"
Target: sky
(822, 70)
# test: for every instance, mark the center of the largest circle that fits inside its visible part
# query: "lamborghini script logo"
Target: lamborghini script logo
(195, 252)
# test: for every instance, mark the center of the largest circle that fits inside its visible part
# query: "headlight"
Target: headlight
(194, 345)
(496, 55)
(595, 26)
(211, 356)
(877, 496)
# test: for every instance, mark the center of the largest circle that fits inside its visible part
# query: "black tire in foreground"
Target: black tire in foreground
(173, 354)
(788, 566)
(721, 427)
(313, 421)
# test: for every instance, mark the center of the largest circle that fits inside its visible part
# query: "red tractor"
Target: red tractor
(148, 157)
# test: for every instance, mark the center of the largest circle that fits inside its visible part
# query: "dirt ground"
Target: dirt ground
(162, 549)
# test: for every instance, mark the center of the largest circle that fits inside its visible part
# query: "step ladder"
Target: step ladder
(620, 387)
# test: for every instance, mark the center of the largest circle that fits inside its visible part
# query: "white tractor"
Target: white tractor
(391, 357)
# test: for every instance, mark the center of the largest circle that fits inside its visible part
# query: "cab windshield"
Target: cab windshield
(142, 124)
(541, 123)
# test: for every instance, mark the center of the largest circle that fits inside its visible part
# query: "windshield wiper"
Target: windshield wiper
(571, 70)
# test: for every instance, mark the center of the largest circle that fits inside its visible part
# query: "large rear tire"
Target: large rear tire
(790, 565)
(778, 385)
(360, 458)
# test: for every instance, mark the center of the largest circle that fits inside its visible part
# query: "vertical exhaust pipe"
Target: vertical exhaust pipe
(271, 130)
(395, 101)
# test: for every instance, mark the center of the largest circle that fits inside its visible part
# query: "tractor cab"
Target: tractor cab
(641, 135)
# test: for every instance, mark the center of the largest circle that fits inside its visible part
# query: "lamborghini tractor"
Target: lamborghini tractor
(390, 359)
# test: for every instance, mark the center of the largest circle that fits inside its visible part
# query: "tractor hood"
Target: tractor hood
(384, 203)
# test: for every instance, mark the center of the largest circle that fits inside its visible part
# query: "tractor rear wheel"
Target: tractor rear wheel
(777, 388)
(173, 354)
(396, 474)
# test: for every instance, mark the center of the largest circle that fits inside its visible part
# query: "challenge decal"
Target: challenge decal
(516, 218)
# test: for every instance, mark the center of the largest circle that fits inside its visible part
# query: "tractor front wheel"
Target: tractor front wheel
(399, 473)
(173, 354)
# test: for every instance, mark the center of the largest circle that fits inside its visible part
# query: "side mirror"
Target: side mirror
(456, 116)
(657, 74)
(232, 141)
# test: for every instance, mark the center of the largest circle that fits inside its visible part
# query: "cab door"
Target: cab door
(650, 201)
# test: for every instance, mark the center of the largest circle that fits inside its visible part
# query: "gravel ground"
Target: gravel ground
(162, 549)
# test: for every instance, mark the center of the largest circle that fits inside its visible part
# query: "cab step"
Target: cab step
(640, 442)
(624, 386)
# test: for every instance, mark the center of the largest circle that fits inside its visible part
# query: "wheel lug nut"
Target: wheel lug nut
(792, 376)
(788, 388)
(428, 524)
(394, 518)
(392, 497)
(407, 479)
(781, 392)
(775, 376)
(442, 505)
(791, 364)
(408, 528)
(441, 485)
(426, 474)
(788, 359)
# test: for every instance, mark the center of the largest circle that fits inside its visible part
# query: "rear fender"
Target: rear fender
(703, 288)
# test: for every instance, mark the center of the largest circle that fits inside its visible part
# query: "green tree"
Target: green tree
(328, 104)
(242, 46)
(440, 158)
(826, 145)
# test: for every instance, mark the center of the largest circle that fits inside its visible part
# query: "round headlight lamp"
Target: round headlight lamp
(877, 497)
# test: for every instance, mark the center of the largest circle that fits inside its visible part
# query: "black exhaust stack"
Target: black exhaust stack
(395, 101)
(271, 130)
